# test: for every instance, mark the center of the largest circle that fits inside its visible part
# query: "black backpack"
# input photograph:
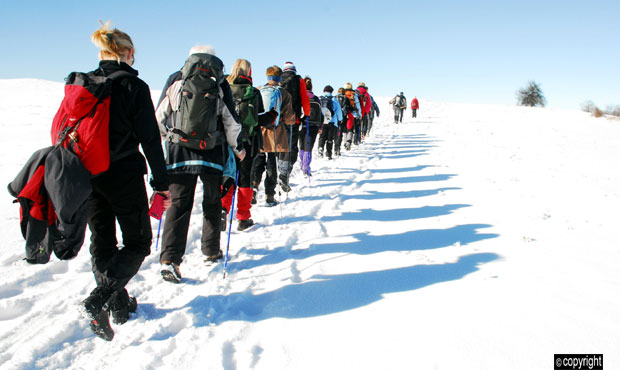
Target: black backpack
(316, 116)
(326, 102)
(195, 125)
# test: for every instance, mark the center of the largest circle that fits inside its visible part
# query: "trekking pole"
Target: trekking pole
(158, 229)
(308, 145)
(232, 210)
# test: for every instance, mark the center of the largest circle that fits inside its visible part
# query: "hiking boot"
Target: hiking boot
(347, 146)
(254, 196)
(121, 306)
(283, 180)
(223, 219)
(245, 224)
(93, 304)
(337, 152)
(271, 200)
(214, 258)
(320, 152)
(100, 325)
(170, 272)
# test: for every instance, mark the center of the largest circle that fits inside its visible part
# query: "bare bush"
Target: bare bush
(531, 95)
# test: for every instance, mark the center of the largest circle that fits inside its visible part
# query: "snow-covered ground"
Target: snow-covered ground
(472, 237)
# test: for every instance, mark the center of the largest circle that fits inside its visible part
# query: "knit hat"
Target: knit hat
(289, 66)
(328, 89)
(348, 86)
(361, 84)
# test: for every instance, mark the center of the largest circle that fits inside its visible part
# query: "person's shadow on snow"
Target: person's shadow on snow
(329, 294)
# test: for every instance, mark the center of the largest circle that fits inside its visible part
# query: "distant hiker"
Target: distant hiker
(353, 112)
(119, 194)
(275, 140)
(399, 103)
(374, 110)
(342, 124)
(309, 129)
(249, 108)
(366, 105)
(415, 105)
(199, 135)
(330, 129)
(296, 86)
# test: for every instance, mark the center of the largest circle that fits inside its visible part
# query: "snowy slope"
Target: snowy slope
(473, 237)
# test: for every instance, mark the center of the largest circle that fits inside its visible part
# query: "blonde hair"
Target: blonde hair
(240, 67)
(113, 43)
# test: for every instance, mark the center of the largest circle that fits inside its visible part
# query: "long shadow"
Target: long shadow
(375, 195)
(399, 214)
(408, 179)
(366, 244)
(329, 294)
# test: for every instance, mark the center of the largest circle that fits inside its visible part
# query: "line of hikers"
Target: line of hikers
(399, 104)
(218, 128)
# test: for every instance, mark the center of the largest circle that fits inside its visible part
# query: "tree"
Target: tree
(531, 96)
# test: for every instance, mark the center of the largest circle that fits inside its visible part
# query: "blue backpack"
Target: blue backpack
(272, 98)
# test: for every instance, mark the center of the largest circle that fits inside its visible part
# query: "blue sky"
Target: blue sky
(455, 51)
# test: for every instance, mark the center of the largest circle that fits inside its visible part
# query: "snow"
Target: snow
(472, 237)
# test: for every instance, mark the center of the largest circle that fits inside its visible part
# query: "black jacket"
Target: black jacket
(133, 124)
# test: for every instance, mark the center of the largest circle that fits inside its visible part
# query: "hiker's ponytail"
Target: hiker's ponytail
(240, 67)
(112, 43)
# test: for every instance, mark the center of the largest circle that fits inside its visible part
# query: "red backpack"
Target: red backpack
(83, 119)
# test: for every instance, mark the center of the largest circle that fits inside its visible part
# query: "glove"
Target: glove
(269, 119)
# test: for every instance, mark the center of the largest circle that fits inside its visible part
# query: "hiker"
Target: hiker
(342, 124)
(415, 105)
(119, 194)
(399, 103)
(191, 158)
(366, 105)
(374, 111)
(330, 129)
(353, 109)
(296, 86)
(249, 107)
(275, 140)
(309, 129)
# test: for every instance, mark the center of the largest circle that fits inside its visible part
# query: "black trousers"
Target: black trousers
(118, 196)
(357, 134)
(307, 139)
(293, 153)
(328, 135)
(176, 226)
(261, 162)
(342, 127)
(414, 113)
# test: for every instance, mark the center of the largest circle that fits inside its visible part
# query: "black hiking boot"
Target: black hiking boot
(223, 219)
(121, 306)
(94, 303)
(170, 272)
(320, 152)
(245, 224)
(283, 180)
(254, 195)
(100, 325)
(271, 200)
(214, 258)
